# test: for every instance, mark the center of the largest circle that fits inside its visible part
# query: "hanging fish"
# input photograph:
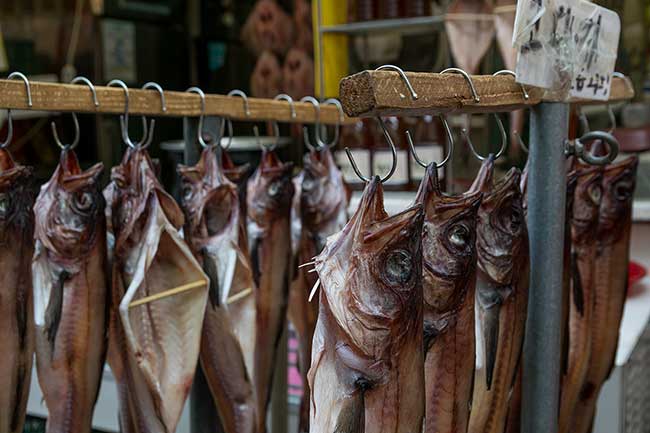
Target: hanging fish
(583, 231)
(501, 296)
(610, 283)
(70, 293)
(448, 283)
(322, 201)
(367, 361)
(159, 296)
(16, 297)
(269, 196)
(213, 229)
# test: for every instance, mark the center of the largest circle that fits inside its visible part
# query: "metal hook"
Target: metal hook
(521, 141)
(238, 92)
(268, 147)
(289, 99)
(469, 80)
(404, 78)
(10, 131)
(28, 88)
(392, 149)
(504, 140)
(578, 148)
(612, 119)
(124, 118)
(337, 128)
(450, 140)
(230, 133)
(199, 127)
(584, 122)
(163, 103)
(89, 84)
(509, 72)
(305, 132)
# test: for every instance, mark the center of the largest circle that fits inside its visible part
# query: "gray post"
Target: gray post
(546, 214)
(203, 412)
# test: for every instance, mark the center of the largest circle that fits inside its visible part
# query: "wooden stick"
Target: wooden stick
(241, 295)
(168, 293)
(77, 98)
(384, 93)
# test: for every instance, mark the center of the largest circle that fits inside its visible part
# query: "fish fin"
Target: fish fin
(352, 418)
(210, 269)
(578, 295)
(55, 309)
(490, 306)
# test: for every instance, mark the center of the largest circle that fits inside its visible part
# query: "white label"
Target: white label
(566, 44)
(4, 62)
(383, 161)
(361, 157)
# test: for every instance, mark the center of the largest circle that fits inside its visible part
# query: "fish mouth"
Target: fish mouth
(72, 177)
(218, 208)
(271, 165)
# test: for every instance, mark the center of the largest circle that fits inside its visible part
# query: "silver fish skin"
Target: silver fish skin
(16, 296)
(70, 294)
(367, 372)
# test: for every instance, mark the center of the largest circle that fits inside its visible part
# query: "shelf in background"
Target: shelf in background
(416, 25)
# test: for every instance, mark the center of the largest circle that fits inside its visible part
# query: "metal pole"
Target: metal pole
(546, 214)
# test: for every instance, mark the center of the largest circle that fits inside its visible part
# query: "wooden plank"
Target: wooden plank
(371, 93)
(384, 93)
(77, 98)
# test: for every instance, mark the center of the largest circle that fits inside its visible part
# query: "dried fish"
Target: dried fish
(154, 344)
(269, 196)
(214, 229)
(367, 370)
(319, 210)
(610, 283)
(16, 296)
(449, 282)
(469, 39)
(501, 297)
(70, 293)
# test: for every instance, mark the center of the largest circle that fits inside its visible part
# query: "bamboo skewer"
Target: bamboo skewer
(168, 293)
(241, 295)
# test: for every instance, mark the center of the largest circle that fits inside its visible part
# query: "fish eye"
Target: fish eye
(459, 236)
(84, 201)
(308, 184)
(187, 192)
(623, 191)
(275, 188)
(398, 267)
(595, 194)
(4, 205)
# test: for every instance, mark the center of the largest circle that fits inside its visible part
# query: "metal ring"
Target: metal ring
(305, 132)
(393, 151)
(469, 80)
(404, 78)
(238, 92)
(504, 140)
(199, 128)
(289, 99)
(28, 87)
(89, 84)
(509, 72)
(450, 140)
(578, 148)
(124, 118)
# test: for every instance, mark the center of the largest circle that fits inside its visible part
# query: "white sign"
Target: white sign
(566, 45)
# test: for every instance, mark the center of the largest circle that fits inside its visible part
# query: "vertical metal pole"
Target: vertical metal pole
(203, 412)
(546, 213)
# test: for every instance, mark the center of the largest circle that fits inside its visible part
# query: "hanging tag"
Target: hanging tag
(566, 45)
(4, 62)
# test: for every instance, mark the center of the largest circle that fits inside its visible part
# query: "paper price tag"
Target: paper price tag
(568, 45)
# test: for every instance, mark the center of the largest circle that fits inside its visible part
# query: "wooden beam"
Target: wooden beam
(384, 93)
(371, 93)
(78, 98)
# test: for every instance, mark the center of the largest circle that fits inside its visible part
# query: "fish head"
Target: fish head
(235, 173)
(371, 273)
(209, 200)
(619, 181)
(71, 204)
(270, 189)
(587, 198)
(16, 194)
(448, 243)
(323, 192)
(501, 229)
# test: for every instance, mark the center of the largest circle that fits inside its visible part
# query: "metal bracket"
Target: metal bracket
(576, 147)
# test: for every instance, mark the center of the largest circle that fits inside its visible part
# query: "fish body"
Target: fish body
(501, 297)
(269, 195)
(610, 283)
(320, 210)
(367, 362)
(583, 231)
(16, 296)
(154, 346)
(448, 283)
(213, 228)
(70, 294)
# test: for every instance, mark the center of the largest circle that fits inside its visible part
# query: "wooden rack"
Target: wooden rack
(78, 98)
(384, 93)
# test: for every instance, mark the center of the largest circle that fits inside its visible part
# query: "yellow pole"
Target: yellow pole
(333, 48)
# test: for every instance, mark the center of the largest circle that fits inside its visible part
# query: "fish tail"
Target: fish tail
(352, 416)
